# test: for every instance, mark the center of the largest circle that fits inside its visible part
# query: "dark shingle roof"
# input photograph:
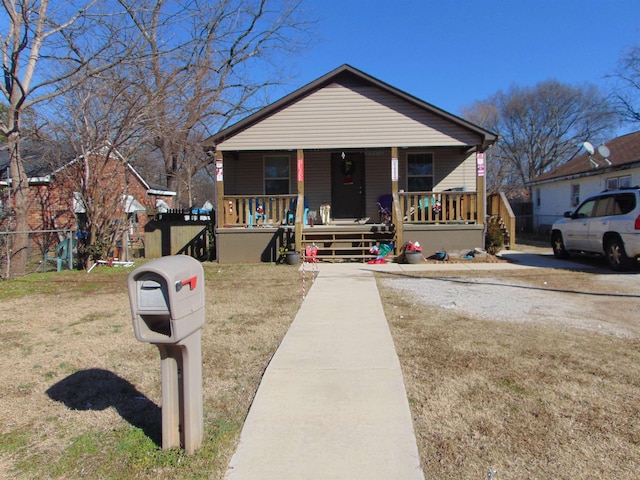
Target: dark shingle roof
(38, 159)
(623, 150)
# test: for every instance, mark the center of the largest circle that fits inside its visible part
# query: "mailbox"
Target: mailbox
(167, 309)
(167, 299)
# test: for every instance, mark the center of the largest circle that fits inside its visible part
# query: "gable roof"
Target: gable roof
(347, 75)
(39, 170)
(624, 151)
(34, 159)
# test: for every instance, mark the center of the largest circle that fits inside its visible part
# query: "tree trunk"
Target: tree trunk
(20, 199)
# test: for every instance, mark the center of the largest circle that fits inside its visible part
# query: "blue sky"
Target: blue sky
(451, 53)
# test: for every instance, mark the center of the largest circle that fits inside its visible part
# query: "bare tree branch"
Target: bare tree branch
(539, 128)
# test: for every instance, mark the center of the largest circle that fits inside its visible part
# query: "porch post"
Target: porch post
(220, 189)
(481, 189)
(396, 211)
(300, 204)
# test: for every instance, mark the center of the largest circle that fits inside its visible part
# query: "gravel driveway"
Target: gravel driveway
(591, 298)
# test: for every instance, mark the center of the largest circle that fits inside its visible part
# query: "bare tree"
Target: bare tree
(219, 68)
(539, 128)
(101, 123)
(626, 92)
(48, 48)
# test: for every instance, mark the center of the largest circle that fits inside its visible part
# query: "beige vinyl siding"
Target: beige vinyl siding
(350, 117)
(244, 173)
(449, 171)
(378, 179)
(317, 179)
(317, 166)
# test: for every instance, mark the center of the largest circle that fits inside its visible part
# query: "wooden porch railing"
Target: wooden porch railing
(255, 210)
(438, 207)
(498, 204)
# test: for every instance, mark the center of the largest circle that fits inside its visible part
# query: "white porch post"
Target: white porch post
(220, 189)
(396, 211)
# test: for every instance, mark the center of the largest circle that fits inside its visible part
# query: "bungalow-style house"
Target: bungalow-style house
(345, 163)
(56, 205)
(611, 166)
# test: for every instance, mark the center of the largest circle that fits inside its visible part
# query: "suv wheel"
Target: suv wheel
(557, 243)
(616, 256)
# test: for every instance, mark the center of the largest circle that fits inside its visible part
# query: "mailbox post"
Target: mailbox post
(167, 308)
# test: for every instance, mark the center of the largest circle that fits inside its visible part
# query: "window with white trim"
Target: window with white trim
(276, 175)
(613, 183)
(419, 172)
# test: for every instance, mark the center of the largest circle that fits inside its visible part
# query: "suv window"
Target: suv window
(604, 206)
(625, 203)
(585, 210)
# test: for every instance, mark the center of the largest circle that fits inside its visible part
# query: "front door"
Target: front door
(347, 185)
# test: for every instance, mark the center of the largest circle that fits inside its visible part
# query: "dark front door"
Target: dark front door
(347, 185)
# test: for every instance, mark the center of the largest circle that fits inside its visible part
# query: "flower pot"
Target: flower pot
(413, 257)
(441, 256)
(292, 258)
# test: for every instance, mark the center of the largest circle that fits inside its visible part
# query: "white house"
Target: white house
(563, 188)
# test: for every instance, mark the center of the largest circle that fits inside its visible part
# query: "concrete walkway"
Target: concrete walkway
(332, 403)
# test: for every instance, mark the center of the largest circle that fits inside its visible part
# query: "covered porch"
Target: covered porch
(260, 227)
(346, 163)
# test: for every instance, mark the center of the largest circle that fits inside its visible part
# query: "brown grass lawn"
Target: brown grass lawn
(80, 397)
(528, 400)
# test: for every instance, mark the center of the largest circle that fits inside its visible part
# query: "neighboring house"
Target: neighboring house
(55, 203)
(337, 148)
(563, 188)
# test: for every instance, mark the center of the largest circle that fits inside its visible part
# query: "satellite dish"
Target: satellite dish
(604, 151)
(588, 147)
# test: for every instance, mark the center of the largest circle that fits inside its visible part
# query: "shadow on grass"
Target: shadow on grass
(97, 389)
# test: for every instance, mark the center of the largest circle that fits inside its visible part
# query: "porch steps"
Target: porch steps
(346, 244)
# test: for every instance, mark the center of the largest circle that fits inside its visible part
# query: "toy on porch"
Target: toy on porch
(381, 252)
(325, 213)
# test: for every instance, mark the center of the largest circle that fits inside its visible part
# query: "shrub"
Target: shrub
(494, 240)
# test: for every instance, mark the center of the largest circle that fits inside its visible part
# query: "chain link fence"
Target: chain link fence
(47, 251)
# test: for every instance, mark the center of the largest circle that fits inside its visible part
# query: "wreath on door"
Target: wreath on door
(347, 168)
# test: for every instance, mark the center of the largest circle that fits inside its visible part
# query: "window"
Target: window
(419, 172)
(624, 182)
(586, 209)
(624, 203)
(614, 183)
(575, 195)
(276, 175)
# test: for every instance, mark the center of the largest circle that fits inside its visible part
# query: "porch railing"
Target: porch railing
(256, 210)
(453, 207)
(498, 204)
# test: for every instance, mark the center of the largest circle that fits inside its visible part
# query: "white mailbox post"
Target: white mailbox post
(167, 308)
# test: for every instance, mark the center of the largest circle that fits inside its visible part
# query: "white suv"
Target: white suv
(607, 223)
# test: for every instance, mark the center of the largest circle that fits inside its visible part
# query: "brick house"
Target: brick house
(108, 180)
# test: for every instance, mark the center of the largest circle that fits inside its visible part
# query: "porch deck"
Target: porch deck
(267, 225)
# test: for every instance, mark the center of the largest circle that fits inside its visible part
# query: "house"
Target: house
(55, 203)
(345, 163)
(563, 188)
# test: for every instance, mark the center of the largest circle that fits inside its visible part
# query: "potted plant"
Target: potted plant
(292, 258)
(289, 256)
(412, 252)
